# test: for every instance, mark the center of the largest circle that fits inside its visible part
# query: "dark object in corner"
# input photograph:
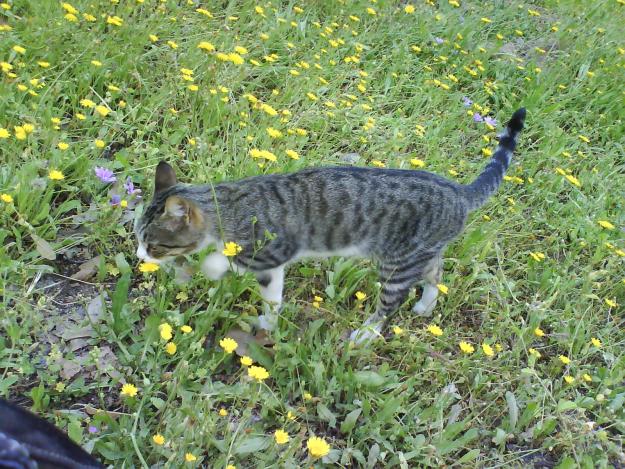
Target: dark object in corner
(29, 442)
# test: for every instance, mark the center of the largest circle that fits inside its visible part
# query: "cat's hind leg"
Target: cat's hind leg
(397, 277)
(271, 285)
(432, 276)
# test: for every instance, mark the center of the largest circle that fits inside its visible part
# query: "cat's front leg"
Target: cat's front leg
(215, 266)
(271, 286)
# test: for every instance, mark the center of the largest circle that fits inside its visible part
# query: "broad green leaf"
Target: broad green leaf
(350, 421)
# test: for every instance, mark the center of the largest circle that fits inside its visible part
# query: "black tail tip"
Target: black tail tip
(517, 120)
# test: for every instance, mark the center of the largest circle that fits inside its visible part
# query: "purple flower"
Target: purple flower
(93, 429)
(490, 121)
(466, 101)
(115, 200)
(477, 118)
(130, 188)
(105, 175)
(439, 40)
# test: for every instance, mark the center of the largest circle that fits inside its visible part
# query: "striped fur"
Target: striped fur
(489, 180)
(403, 219)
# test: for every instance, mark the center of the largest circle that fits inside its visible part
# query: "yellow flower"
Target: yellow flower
(564, 359)
(534, 352)
(442, 288)
(258, 373)
(102, 110)
(317, 447)
(487, 152)
(274, 133)
(171, 348)
(6, 198)
(20, 133)
(361, 296)
(89, 17)
(573, 180)
(63, 146)
(569, 379)
(56, 175)
(538, 332)
(153, 37)
(488, 350)
(231, 249)
(537, 256)
(417, 163)
(235, 58)
(292, 154)
(186, 329)
(204, 12)
(4, 133)
(596, 342)
(59, 387)
(69, 8)
(206, 46)
(96, 63)
(397, 330)
(172, 44)
(129, 390)
(246, 361)
(307, 396)
(223, 412)
(147, 267)
(166, 331)
(466, 347)
(486, 20)
(268, 109)
(99, 143)
(228, 344)
(158, 439)
(281, 437)
(371, 11)
(587, 377)
(606, 224)
(87, 103)
(19, 49)
(409, 9)
(189, 457)
(114, 20)
(434, 330)
(230, 466)
(378, 164)
(610, 303)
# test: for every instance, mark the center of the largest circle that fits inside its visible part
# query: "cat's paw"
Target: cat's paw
(366, 334)
(215, 266)
(422, 308)
(268, 322)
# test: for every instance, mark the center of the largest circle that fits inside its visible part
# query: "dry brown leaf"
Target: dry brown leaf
(87, 269)
(243, 338)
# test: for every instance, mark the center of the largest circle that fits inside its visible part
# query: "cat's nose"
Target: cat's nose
(141, 252)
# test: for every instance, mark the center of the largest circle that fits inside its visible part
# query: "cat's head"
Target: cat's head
(172, 224)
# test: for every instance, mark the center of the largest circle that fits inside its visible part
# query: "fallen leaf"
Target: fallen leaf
(43, 247)
(87, 269)
(243, 338)
(95, 308)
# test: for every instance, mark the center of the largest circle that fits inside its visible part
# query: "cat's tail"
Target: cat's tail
(488, 181)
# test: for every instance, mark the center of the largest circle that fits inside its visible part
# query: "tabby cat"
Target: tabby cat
(402, 219)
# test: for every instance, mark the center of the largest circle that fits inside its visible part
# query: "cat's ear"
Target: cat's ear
(165, 177)
(183, 211)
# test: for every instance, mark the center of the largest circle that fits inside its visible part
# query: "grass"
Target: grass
(535, 256)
